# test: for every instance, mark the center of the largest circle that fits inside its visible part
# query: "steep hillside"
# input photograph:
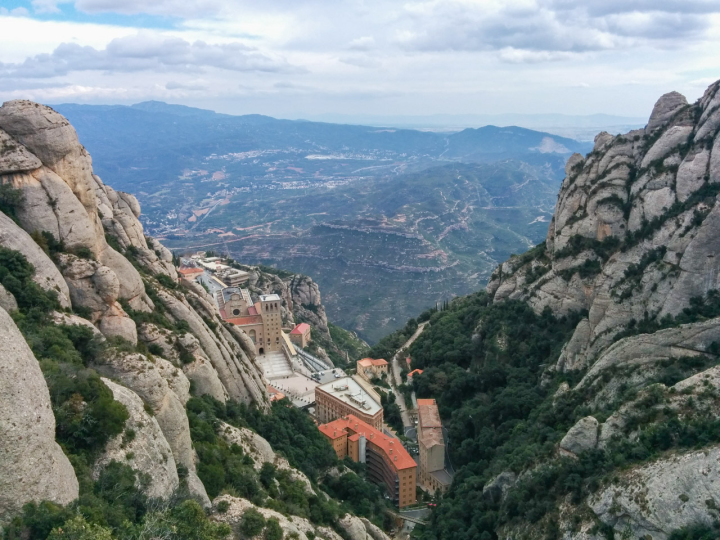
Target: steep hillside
(126, 402)
(581, 389)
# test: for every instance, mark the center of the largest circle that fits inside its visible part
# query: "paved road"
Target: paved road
(397, 378)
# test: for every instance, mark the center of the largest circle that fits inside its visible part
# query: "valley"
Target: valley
(387, 221)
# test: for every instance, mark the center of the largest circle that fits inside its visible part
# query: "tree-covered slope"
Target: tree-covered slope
(581, 391)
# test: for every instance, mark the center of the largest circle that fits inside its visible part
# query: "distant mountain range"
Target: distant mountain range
(387, 220)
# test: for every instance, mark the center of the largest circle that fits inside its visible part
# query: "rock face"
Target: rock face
(634, 242)
(663, 496)
(152, 381)
(32, 465)
(582, 436)
(660, 175)
(261, 452)
(46, 273)
(146, 450)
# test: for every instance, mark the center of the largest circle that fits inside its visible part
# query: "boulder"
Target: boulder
(668, 141)
(665, 108)
(32, 465)
(14, 157)
(496, 488)
(583, 436)
(7, 300)
(142, 446)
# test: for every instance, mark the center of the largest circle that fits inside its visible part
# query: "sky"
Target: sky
(302, 58)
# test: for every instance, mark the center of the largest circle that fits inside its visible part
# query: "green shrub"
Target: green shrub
(252, 523)
(273, 531)
(77, 528)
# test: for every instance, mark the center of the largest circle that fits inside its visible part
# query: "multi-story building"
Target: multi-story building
(261, 321)
(431, 445)
(369, 368)
(387, 460)
(345, 396)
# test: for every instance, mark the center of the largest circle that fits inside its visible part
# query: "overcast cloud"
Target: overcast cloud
(300, 58)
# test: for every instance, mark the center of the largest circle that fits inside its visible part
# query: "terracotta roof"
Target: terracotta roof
(393, 449)
(415, 372)
(333, 430)
(252, 310)
(190, 271)
(430, 432)
(300, 329)
(275, 394)
(242, 321)
(367, 362)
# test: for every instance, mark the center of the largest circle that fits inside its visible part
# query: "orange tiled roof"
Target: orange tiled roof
(392, 448)
(415, 372)
(367, 362)
(333, 430)
(242, 321)
(253, 311)
(190, 271)
(300, 329)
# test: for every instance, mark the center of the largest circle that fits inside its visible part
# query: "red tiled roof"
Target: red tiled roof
(300, 329)
(415, 372)
(242, 321)
(333, 430)
(392, 448)
(252, 310)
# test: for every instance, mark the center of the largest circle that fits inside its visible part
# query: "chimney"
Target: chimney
(391, 452)
(395, 458)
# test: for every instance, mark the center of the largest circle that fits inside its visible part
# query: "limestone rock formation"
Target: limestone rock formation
(633, 245)
(142, 446)
(582, 436)
(663, 496)
(7, 300)
(147, 378)
(32, 465)
(291, 525)
(14, 157)
(261, 452)
(46, 273)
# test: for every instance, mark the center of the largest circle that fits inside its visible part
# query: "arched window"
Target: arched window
(253, 335)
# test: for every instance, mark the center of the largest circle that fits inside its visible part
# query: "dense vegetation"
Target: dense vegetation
(483, 363)
(87, 416)
(225, 468)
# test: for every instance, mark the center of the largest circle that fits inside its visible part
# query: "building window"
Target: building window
(236, 311)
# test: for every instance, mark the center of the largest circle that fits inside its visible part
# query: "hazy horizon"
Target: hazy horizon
(314, 58)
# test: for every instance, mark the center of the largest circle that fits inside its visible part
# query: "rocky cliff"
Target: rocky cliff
(634, 248)
(112, 371)
(86, 246)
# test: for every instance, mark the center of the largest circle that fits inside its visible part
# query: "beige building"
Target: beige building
(387, 460)
(431, 445)
(300, 335)
(262, 321)
(369, 368)
(345, 396)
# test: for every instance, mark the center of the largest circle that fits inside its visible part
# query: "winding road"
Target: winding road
(397, 378)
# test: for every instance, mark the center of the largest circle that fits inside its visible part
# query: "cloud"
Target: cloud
(553, 26)
(192, 86)
(364, 43)
(146, 51)
(16, 12)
